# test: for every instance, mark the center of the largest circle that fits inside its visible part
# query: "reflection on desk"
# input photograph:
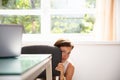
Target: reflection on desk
(25, 67)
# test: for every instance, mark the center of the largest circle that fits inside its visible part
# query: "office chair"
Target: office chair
(45, 49)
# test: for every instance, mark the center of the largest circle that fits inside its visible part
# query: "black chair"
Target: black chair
(45, 49)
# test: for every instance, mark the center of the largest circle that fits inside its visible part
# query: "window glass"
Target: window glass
(72, 4)
(31, 23)
(90, 3)
(72, 24)
(19, 4)
(81, 17)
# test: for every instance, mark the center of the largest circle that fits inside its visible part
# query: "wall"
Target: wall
(96, 61)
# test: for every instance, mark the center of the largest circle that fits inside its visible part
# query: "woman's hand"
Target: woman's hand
(60, 67)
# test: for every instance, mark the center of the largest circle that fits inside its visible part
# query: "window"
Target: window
(72, 16)
(21, 12)
(72, 19)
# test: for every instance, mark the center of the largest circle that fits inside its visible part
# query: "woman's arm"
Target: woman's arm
(69, 72)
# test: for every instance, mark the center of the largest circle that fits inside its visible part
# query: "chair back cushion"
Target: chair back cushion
(45, 49)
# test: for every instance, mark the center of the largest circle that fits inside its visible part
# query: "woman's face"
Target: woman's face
(65, 52)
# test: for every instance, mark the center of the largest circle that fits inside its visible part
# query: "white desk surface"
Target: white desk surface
(25, 67)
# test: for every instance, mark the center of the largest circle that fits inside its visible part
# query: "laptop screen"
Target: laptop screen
(10, 40)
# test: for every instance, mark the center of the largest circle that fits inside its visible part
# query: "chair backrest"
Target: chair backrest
(45, 49)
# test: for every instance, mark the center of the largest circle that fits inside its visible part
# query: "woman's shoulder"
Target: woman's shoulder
(70, 65)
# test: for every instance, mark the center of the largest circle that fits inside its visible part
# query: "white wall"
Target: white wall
(96, 61)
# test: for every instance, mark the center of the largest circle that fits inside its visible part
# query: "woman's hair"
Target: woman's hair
(63, 42)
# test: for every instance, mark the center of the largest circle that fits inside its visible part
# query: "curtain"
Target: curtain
(105, 20)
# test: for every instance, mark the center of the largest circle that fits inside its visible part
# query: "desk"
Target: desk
(25, 67)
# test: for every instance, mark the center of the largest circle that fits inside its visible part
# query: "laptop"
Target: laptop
(10, 40)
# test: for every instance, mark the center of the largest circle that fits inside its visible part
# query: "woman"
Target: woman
(66, 68)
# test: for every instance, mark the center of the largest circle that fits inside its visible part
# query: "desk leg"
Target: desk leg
(49, 71)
